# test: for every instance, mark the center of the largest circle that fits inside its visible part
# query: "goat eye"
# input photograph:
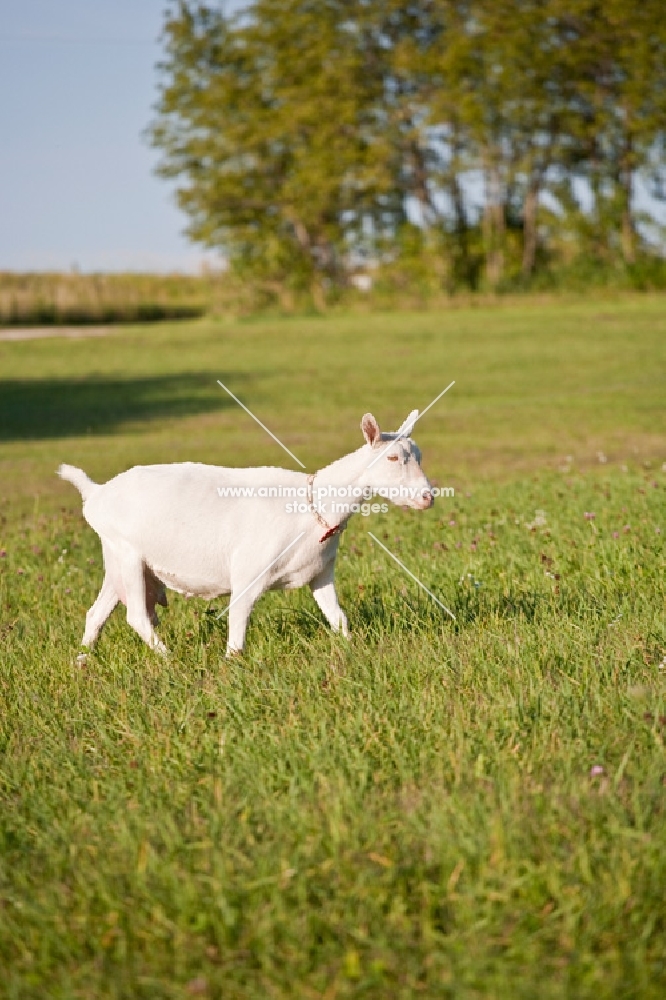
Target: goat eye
(392, 458)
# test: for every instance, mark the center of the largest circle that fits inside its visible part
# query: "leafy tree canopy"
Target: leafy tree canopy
(307, 136)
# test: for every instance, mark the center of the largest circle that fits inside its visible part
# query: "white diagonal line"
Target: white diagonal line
(415, 578)
(411, 428)
(238, 596)
(260, 423)
(435, 400)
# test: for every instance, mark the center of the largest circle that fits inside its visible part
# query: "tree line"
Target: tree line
(446, 144)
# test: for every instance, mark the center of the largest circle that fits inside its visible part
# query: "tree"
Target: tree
(306, 135)
(269, 118)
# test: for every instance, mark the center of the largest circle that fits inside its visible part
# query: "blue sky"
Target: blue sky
(77, 82)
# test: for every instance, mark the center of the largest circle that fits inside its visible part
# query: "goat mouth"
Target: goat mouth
(424, 504)
(418, 504)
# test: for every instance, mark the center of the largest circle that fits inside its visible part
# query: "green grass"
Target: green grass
(410, 814)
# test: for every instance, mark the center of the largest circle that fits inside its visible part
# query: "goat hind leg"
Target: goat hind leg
(132, 568)
(99, 612)
(155, 594)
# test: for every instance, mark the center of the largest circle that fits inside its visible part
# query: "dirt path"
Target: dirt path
(39, 332)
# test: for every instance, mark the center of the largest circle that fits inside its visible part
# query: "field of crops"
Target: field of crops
(465, 809)
(57, 298)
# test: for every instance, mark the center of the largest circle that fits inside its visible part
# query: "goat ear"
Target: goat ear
(370, 428)
(407, 425)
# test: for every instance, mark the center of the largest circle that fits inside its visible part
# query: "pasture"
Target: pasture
(438, 808)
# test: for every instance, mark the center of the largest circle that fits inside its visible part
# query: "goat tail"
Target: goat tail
(78, 478)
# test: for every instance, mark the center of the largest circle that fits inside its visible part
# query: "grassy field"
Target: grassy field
(461, 809)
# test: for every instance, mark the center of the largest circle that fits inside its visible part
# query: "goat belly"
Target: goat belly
(190, 587)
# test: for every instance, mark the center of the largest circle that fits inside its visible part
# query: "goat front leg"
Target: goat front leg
(323, 591)
(240, 607)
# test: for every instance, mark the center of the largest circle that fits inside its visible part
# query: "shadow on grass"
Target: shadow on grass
(384, 610)
(33, 409)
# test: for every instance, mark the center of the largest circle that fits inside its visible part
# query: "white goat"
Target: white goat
(173, 526)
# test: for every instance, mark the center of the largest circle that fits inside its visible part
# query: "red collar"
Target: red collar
(330, 529)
